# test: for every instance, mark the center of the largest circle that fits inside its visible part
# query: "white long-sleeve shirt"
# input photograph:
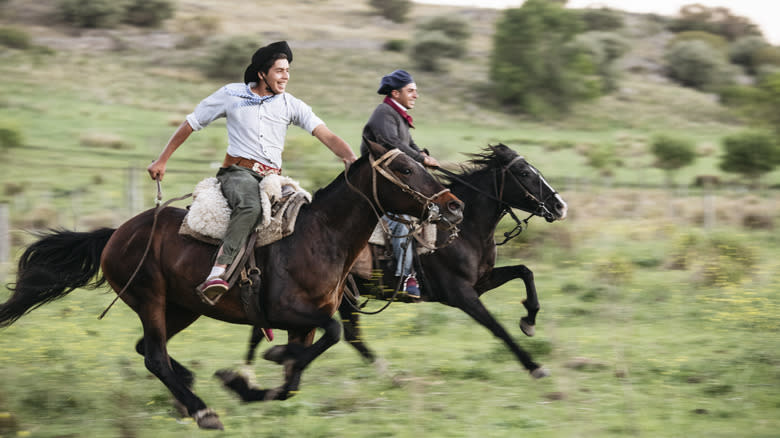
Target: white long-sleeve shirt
(256, 126)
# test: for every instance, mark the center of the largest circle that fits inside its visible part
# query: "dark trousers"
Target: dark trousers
(240, 187)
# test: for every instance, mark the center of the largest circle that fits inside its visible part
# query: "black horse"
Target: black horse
(302, 281)
(496, 181)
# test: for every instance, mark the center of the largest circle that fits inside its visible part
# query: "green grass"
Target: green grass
(655, 356)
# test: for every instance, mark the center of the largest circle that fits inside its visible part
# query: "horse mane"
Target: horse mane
(325, 191)
(490, 157)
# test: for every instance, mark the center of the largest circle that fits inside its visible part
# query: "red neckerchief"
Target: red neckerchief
(405, 114)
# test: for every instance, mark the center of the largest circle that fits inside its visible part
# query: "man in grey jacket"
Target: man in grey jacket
(389, 124)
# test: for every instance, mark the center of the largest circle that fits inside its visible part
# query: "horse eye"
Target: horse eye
(406, 171)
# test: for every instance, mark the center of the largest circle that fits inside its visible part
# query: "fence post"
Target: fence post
(5, 240)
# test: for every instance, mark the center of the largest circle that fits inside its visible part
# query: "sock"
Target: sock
(216, 271)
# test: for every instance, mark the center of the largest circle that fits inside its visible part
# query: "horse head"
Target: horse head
(402, 185)
(520, 185)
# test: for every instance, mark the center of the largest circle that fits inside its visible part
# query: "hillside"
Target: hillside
(108, 99)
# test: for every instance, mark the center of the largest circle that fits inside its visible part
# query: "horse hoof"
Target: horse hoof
(276, 354)
(227, 376)
(528, 329)
(274, 394)
(539, 373)
(381, 366)
(208, 419)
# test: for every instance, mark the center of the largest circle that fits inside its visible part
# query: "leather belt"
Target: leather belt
(255, 166)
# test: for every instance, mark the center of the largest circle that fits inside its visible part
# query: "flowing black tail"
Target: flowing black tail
(52, 267)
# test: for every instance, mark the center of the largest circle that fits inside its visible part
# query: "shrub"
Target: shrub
(717, 42)
(672, 153)
(767, 56)
(717, 20)
(743, 52)
(395, 45)
(439, 37)
(714, 259)
(602, 50)
(601, 19)
(750, 153)
(10, 136)
(615, 270)
(603, 158)
(451, 25)
(696, 64)
(393, 10)
(195, 30)
(91, 13)
(227, 58)
(430, 47)
(14, 38)
(148, 13)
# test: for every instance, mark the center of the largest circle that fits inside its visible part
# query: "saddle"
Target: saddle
(207, 220)
(424, 241)
(209, 214)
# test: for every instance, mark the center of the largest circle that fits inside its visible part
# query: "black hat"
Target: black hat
(394, 81)
(262, 55)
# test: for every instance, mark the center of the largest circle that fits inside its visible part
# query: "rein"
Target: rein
(506, 208)
(158, 207)
(380, 166)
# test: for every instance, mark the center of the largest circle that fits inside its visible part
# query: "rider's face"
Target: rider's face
(406, 96)
(277, 76)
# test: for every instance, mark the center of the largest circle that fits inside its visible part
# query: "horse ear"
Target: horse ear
(376, 149)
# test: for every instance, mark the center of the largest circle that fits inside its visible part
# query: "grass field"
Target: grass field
(659, 305)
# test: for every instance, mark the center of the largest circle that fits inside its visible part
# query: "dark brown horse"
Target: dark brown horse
(302, 281)
(457, 275)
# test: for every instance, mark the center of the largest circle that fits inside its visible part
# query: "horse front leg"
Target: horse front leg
(475, 309)
(498, 276)
(295, 357)
(350, 320)
(176, 380)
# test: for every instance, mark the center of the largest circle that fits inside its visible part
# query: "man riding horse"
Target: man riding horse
(258, 113)
(389, 124)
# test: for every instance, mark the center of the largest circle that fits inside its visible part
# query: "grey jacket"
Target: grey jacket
(387, 127)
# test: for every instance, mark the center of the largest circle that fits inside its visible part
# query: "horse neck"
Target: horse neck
(482, 213)
(341, 214)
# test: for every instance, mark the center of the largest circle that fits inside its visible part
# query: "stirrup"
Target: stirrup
(211, 290)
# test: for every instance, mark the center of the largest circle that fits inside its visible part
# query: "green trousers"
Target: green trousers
(240, 187)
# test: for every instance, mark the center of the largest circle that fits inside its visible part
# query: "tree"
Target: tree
(750, 154)
(672, 154)
(531, 67)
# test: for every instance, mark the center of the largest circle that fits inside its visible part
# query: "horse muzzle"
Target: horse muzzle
(557, 210)
(450, 208)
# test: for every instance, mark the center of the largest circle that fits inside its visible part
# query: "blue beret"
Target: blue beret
(394, 81)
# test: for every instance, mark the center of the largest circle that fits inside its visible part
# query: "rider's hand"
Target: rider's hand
(156, 170)
(429, 161)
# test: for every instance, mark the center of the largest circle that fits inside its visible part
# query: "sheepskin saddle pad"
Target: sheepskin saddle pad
(209, 214)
